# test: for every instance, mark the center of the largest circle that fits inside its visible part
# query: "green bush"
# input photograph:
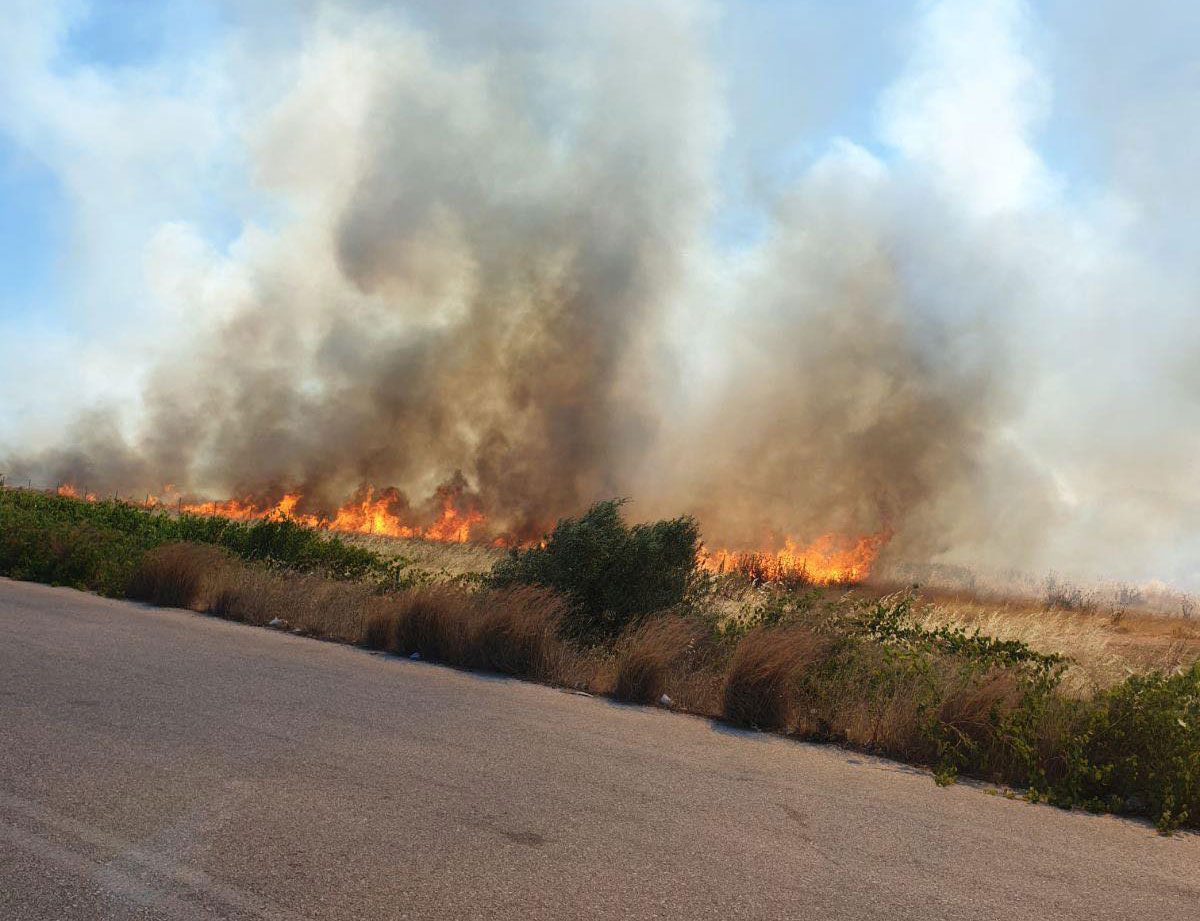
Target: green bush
(1133, 748)
(291, 545)
(1139, 750)
(99, 545)
(79, 554)
(612, 574)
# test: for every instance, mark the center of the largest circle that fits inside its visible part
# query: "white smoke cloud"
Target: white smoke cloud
(964, 109)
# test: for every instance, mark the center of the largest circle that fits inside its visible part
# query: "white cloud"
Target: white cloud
(966, 105)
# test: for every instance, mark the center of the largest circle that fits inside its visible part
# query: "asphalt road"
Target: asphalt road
(160, 764)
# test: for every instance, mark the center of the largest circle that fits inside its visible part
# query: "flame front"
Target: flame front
(72, 493)
(385, 513)
(230, 508)
(370, 515)
(382, 513)
(454, 525)
(831, 559)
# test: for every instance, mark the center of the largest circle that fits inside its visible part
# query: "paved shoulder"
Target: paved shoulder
(159, 764)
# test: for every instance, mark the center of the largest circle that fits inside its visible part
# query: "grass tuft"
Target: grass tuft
(175, 575)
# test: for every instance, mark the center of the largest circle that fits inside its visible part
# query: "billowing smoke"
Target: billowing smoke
(473, 278)
(482, 256)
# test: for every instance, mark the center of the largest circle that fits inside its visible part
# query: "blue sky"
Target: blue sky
(32, 229)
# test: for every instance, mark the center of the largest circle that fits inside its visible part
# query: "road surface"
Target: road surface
(161, 764)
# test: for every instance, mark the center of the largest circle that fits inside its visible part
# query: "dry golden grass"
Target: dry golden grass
(761, 685)
(177, 575)
(1050, 592)
(306, 602)
(435, 557)
(1107, 629)
(669, 655)
(1103, 646)
(1104, 642)
(205, 578)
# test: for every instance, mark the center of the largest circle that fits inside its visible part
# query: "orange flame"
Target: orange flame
(384, 513)
(72, 493)
(371, 516)
(831, 559)
(454, 525)
(231, 508)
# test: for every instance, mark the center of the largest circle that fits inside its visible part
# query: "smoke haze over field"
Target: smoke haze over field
(365, 246)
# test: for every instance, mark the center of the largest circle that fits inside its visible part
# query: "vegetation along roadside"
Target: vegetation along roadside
(625, 611)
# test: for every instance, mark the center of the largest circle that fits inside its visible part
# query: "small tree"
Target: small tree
(612, 574)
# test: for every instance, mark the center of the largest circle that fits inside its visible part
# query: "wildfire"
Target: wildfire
(372, 515)
(831, 559)
(454, 525)
(386, 513)
(72, 493)
(230, 508)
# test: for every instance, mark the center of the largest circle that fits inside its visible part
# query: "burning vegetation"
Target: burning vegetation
(385, 513)
(505, 299)
(831, 559)
(454, 515)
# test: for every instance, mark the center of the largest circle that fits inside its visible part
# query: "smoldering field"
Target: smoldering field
(493, 248)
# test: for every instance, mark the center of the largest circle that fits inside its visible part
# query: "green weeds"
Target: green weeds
(612, 574)
(98, 545)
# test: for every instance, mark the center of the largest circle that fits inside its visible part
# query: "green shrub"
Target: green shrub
(99, 545)
(79, 554)
(296, 547)
(612, 574)
(1140, 750)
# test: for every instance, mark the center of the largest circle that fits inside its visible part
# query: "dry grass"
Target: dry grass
(1104, 647)
(673, 656)
(863, 700)
(761, 686)
(1054, 591)
(513, 631)
(205, 578)
(798, 680)
(1104, 643)
(1107, 629)
(439, 558)
(176, 575)
(306, 602)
